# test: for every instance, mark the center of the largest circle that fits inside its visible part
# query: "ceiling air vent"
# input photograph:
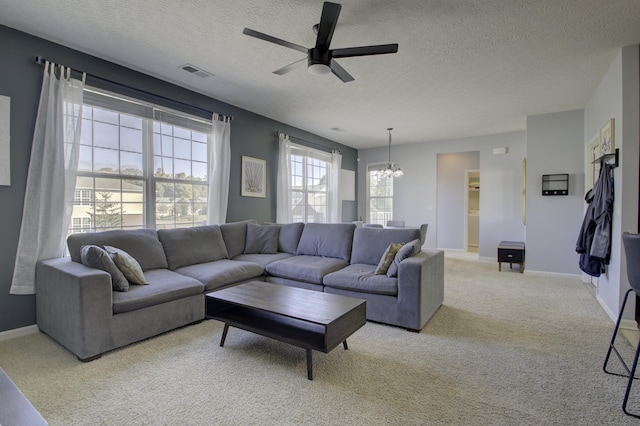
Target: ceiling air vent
(196, 71)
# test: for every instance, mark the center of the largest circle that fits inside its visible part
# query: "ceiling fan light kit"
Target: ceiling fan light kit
(320, 59)
(319, 69)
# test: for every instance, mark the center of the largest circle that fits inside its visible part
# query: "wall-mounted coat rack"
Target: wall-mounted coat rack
(556, 184)
(606, 158)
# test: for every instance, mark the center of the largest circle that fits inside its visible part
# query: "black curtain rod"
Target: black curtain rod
(40, 60)
(308, 143)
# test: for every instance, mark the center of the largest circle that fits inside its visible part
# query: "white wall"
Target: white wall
(415, 194)
(617, 97)
(555, 144)
(450, 203)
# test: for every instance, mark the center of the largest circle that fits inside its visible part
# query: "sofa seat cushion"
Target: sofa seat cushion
(306, 268)
(164, 286)
(262, 259)
(222, 272)
(362, 278)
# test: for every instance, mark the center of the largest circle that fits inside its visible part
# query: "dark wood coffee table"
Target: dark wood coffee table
(304, 318)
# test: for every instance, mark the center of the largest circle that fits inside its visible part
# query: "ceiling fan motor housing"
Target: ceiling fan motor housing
(319, 57)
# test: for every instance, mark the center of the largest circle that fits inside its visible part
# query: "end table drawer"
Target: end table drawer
(510, 255)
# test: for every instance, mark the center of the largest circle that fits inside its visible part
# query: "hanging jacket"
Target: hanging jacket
(594, 240)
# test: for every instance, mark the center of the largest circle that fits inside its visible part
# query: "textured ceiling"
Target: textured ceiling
(464, 67)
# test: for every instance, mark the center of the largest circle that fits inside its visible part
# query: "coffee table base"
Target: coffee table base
(304, 318)
(309, 351)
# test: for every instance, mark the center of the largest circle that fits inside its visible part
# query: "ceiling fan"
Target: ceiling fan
(320, 59)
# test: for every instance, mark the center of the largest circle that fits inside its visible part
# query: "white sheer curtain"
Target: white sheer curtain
(335, 204)
(51, 179)
(219, 169)
(283, 210)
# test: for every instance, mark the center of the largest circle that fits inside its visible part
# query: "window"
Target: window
(379, 196)
(81, 224)
(309, 175)
(82, 197)
(140, 166)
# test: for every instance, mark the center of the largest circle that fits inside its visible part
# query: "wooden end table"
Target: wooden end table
(304, 318)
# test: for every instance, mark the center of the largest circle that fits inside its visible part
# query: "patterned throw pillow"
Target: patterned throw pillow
(387, 258)
(127, 264)
(96, 257)
(409, 249)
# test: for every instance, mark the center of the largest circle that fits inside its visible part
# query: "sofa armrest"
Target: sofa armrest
(74, 305)
(420, 288)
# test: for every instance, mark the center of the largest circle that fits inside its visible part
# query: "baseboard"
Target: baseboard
(18, 332)
(629, 325)
(553, 274)
(612, 315)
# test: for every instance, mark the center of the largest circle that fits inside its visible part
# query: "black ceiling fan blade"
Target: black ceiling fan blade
(266, 37)
(379, 49)
(290, 67)
(340, 72)
(328, 21)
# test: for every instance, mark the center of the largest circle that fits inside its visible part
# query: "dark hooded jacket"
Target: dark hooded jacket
(594, 241)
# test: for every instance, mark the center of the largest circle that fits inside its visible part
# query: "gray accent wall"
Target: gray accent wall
(20, 79)
(555, 144)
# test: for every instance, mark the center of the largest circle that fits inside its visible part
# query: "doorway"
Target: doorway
(472, 210)
(452, 199)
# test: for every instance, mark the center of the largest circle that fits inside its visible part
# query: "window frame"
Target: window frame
(153, 119)
(372, 168)
(309, 154)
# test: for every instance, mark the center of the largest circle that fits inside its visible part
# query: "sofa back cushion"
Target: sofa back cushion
(261, 239)
(142, 244)
(190, 246)
(327, 240)
(234, 235)
(289, 237)
(369, 244)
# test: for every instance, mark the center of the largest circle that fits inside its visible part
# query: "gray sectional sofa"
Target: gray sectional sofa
(78, 307)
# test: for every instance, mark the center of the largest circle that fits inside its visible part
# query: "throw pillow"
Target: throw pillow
(128, 265)
(387, 258)
(96, 257)
(261, 239)
(407, 250)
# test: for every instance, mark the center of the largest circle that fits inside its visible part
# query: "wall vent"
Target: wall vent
(196, 71)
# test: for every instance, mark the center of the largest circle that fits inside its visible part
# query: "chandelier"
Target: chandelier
(391, 169)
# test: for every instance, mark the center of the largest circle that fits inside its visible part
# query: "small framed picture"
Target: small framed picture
(254, 177)
(607, 138)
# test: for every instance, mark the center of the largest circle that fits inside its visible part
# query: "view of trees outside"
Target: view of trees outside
(380, 198)
(110, 188)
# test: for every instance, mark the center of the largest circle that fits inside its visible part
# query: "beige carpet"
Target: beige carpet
(504, 349)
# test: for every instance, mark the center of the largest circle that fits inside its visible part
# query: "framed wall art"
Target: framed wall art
(607, 138)
(254, 177)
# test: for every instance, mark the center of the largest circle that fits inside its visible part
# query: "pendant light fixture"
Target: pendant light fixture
(391, 169)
